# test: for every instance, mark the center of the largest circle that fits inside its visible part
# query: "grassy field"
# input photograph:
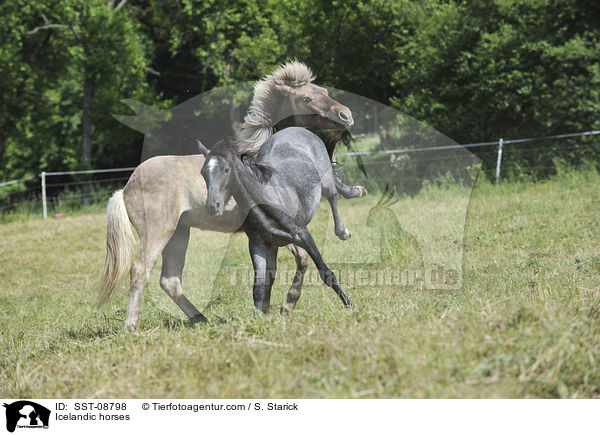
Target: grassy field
(526, 322)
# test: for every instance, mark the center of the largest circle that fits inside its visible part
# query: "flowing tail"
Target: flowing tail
(120, 243)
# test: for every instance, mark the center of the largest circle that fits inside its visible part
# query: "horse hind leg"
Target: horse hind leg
(140, 273)
(150, 249)
(295, 290)
(305, 240)
(172, 268)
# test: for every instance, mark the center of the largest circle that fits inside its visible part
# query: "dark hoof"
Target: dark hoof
(286, 309)
(198, 318)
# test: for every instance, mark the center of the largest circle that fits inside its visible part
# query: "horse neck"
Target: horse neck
(313, 122)
(259, 123)
(330, 138)
(247, 188)
(282, 109)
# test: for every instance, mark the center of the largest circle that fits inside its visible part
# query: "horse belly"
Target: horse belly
(310, 202)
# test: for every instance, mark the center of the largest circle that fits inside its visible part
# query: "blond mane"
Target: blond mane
(258, 123)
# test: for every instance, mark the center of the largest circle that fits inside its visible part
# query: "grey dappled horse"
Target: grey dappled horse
(277, 195)
(165, 196)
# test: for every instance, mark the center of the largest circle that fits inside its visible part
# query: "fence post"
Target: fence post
(499, 160)
(44, 207)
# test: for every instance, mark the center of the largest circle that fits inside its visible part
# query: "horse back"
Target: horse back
(295, 153)
(163, 187)
(300, 165)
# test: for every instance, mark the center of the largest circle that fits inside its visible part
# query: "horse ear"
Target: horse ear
(203, 150)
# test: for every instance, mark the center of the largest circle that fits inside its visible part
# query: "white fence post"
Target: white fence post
(44, 206)
(499, 160)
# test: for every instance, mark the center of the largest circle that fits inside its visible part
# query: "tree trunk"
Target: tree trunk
(375, 120)
(87, 133)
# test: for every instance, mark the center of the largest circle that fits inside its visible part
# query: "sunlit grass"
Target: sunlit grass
(525, 323)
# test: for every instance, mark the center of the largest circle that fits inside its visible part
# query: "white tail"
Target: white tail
(120, 243)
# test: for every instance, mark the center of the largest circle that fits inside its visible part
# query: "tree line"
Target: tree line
(474, 70)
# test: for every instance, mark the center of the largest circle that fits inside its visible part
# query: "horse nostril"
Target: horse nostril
(346, 117)
(217, 204)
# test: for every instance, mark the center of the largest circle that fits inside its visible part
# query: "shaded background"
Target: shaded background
(473, 70)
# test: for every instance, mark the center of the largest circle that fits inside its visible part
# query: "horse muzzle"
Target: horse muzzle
(215, 208)
(341, 115)
(345, 117)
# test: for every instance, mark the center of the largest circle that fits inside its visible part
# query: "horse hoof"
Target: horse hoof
(363, 191)
(259, 313)
(130, 327)
(286, 309)
(350, 304)
(345, 235)
(198, 318)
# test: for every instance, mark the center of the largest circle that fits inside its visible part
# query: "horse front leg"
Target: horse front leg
(264, 260)
(346, 191)
(341, 231)
(349, 192)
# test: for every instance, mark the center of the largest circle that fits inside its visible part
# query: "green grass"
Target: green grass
(526, 322)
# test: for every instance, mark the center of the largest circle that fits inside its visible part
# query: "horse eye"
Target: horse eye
(306, 100)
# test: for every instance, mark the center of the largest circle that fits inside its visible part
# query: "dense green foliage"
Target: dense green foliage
(474, 70)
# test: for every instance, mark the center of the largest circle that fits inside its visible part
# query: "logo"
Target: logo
(26, 414)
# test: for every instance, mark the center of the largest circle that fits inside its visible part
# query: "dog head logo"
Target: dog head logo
(26, 414)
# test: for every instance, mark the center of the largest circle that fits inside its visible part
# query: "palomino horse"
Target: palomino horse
(165, 195)
(278, 196)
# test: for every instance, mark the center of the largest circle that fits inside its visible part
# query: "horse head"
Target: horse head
(310, 99)
(217, 173)
(288, 97)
